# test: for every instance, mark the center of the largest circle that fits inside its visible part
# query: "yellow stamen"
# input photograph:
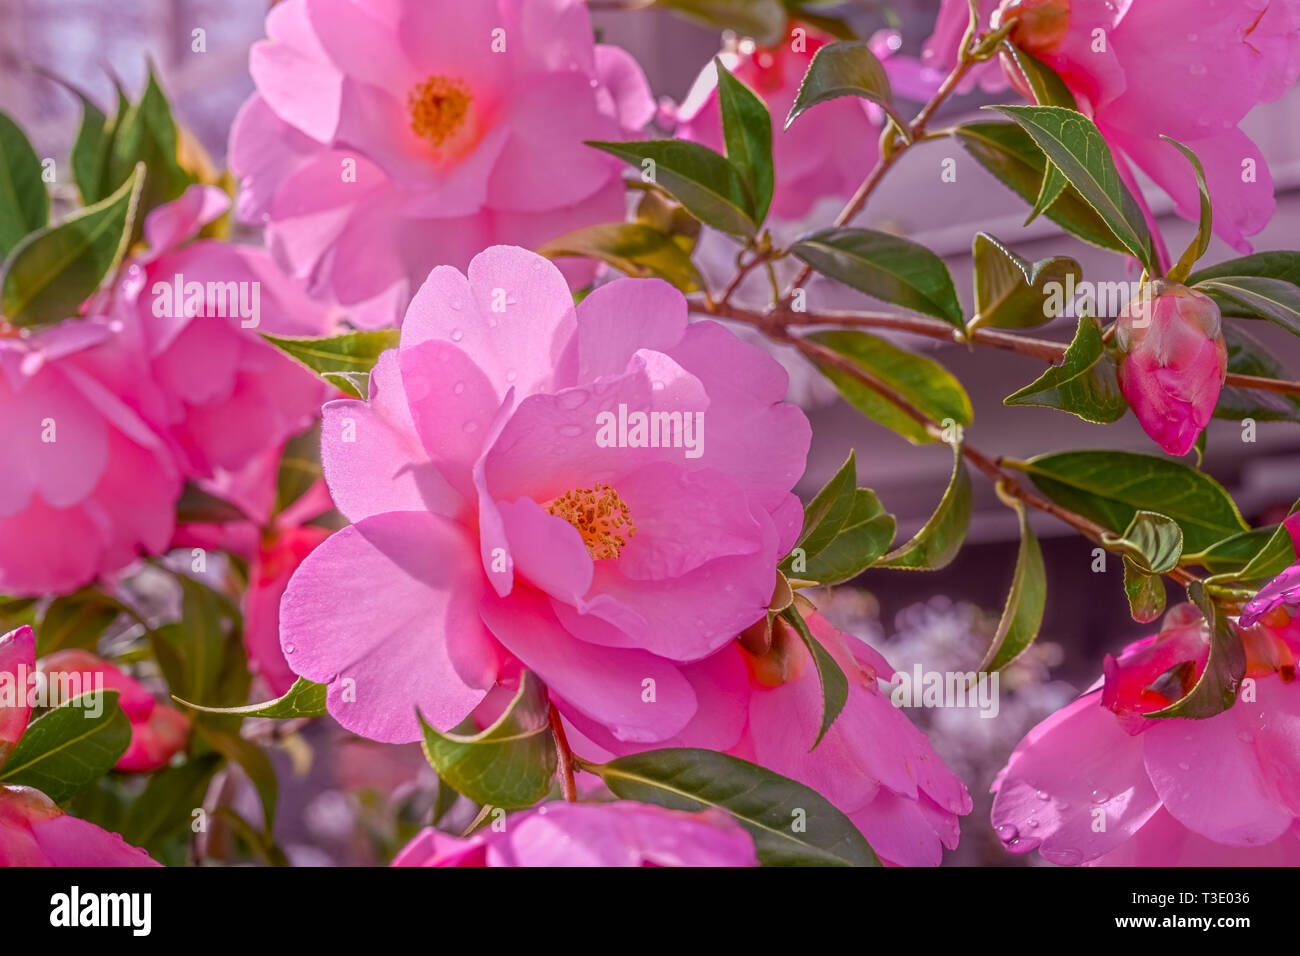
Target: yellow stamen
(438, 108)
(601, 517)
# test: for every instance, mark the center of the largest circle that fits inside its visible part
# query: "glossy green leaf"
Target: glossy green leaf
(747, 132)
(1044, 82)
(67, 748)
(1280, 264)
(922, 382)
(89, 154)
(1275, 555)
(77, 620)
(1246, 356)
(511, 764)
(1111, 487)
(1216, 690)
(1054, 184)
(343, 360)
(1074, 144)
(703, 181)
(939, 540)
(631, 247)
(1234, 552)
(889, 268)
(146, 133)
(1154, 542)
(1085, 384)
(300, 468)
(52, 271)
(845, 530)
(835, 686)
(763, 20)
(1253, 297)
(846, 68)
(1022, 614)
(791, 824)
(1205, 228)
(1009, 153)
(1013, 293)
(24, 201)
(303, 699)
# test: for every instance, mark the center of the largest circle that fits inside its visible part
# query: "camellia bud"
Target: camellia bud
(1040, 25)
(1175, 362)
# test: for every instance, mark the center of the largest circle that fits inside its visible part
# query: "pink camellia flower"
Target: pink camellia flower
(828, 148)
(600, 493)
(1282, 591)
(158, 732)
(1097, 782)
(87, 485)
(201, 306)
(33, 830)
(1175, 362)
(591, 834)
(873, 764)
(386, 139)
(1143, 68)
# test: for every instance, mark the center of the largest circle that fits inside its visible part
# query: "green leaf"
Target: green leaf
(937, 543)
(632, 247)
(1022, 615)
(747, 132)
(299, 469)
(76, 620)
(1085, 384)
(146, 133)
(1268, 561)
(66, 748)
(1044, 82)
(51, 272)
(1111, 487)
(665, 214)
(846, 68)
(1205, 229)
(925, 384)
(1009, 153)
(703, 181)
(253, 760)
(1074, 144)
(886, 267)
(791, 824)
(1216, 691)
(303, 699)
(168, 801)
(510, 764)
(90, 151)
(1153, 542)
(202, 640)
(845, 530)
(835, 686)
(344, 360)
(762, 20)
(24, 202)
(1232, 554)
(1010, 292)
(1054, 183)
(1281, 264)
(1246, 356)
(1145, 592)
(1253, 297)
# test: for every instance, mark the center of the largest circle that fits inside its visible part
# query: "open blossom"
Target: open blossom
(1150, 67)
(826, 151)
(600, 493)
(591, 834)
(87, 484)
(33, 830)
(873, 764)
(158, 731)
(384, 140)
(1098, 782)
(200, 306)
(1175, 362)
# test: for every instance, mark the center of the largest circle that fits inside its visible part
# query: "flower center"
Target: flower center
(601, 517)
(439, 107)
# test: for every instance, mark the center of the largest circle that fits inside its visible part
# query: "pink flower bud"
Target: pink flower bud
(17, 659)
(1040, 25)
(1175, 362)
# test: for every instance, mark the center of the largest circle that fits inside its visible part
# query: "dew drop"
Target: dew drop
(1007, 833)
(458, 388)
(289, 648)
(1042, 795)
(471, 427)
(457, 335)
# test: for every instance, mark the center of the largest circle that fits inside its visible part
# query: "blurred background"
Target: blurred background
(942, 620)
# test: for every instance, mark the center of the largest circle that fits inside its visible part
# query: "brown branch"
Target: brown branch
(567, 785)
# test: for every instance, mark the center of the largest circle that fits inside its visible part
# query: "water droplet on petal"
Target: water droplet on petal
(457, 335)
